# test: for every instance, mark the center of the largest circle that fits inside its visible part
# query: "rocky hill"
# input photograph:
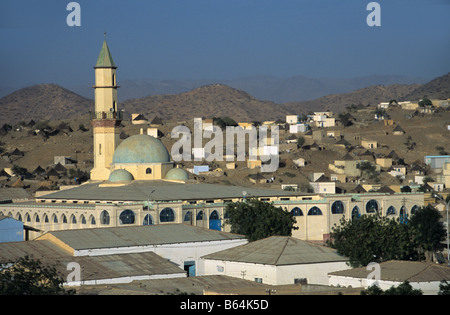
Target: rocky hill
(42, 102)
(215, 100)
(52, 102)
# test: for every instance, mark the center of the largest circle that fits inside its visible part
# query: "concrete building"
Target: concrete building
(420, 275)
(276, 260)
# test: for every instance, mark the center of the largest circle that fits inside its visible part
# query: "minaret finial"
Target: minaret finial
(104, 35)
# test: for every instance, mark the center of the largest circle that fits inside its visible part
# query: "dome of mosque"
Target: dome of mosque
(120, 175)
(177, 174)
(141, 149)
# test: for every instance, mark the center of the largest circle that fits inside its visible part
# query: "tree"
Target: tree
(444, 288)
(372, 238)
(300, 142)
(259, 219)
(428, 229)
(403, 289)
(29, 277)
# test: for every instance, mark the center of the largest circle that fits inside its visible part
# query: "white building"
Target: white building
(276, 260)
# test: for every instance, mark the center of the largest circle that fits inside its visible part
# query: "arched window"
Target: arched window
(414, 209)
(73, 219)
(371, 206)
(404, 215)
(199, 216)
(297, 212)
(19, 217)
(55, 218)
(36, 218)
(167, 215)
(337, 207)
(214, 215)
(147, 220)
(187, 216)
(45, 218)
(104, 217)
(356, 213)
(63, 218)
(314, 211)
(82, 219)
(391, 211)
(28, 217)
(92, 219)
(126, 217)
(148, 171)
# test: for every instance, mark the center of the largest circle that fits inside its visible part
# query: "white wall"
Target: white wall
(273, 275)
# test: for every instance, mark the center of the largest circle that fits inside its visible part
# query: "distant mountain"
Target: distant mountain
(52, 102)
(268, 88)
(42, 102)
(215, 100)
(435, 89)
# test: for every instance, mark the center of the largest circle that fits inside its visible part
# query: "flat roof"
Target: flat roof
(114, 237)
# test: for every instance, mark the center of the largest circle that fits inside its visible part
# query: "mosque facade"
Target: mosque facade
(134, 182)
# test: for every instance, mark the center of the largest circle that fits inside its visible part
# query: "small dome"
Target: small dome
(177, 174)
(141, 149)
(120, 175)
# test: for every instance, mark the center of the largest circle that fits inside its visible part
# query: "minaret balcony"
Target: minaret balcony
(106, 115)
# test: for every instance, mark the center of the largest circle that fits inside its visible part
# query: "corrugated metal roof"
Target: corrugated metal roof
(278, 250)
(92, 267)
(400, 271)
(162, 191)
(139, 236)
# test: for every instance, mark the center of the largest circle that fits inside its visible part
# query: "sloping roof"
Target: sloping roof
(278, 251)
(400, 271)
(398, 128)
(322, 179)
(138, 236)
(163, 190)
(105, 59)
(93, 267)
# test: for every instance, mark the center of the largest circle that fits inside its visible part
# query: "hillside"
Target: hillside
(215, 100)
(371, 95)
(42, 102)
(438, 88)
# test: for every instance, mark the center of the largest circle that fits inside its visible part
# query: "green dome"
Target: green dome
(177, 174)
(120, 175)
(141, 149)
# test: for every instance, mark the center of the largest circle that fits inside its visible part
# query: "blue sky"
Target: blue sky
(222, 39)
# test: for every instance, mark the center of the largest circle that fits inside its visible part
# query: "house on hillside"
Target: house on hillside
(369, 144)
(323, 185)
(398, 131)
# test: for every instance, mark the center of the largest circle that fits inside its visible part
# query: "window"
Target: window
(63, 218)
(414, 209)
(92, 219)
(45, 218)
(314, 211)
(104, 217)
(148, 171)
(27, 217)
(187, 216)
(83, 219)
(36, 218)
(337, 207)
(372, 206)
(297, 212)
(391, 211)
(55, 219)
(355, 212)
(73, 219)
(199, 216)
(167, 215)
(126, 217)
(403, 215)
(148, 220)
(214, 215)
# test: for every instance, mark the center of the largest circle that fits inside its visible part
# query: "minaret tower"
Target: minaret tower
(106, 117)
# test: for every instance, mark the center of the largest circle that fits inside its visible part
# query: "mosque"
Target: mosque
(134, 182)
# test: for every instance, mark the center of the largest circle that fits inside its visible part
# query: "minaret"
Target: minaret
(106, 117)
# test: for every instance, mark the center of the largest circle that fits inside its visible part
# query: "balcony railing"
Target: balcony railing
(106, 115)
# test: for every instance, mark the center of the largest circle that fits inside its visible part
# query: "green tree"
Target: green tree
(259, 219)
(30, 277)
(444, 288)
(429, 231)
(403, 289)
(372, 238)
